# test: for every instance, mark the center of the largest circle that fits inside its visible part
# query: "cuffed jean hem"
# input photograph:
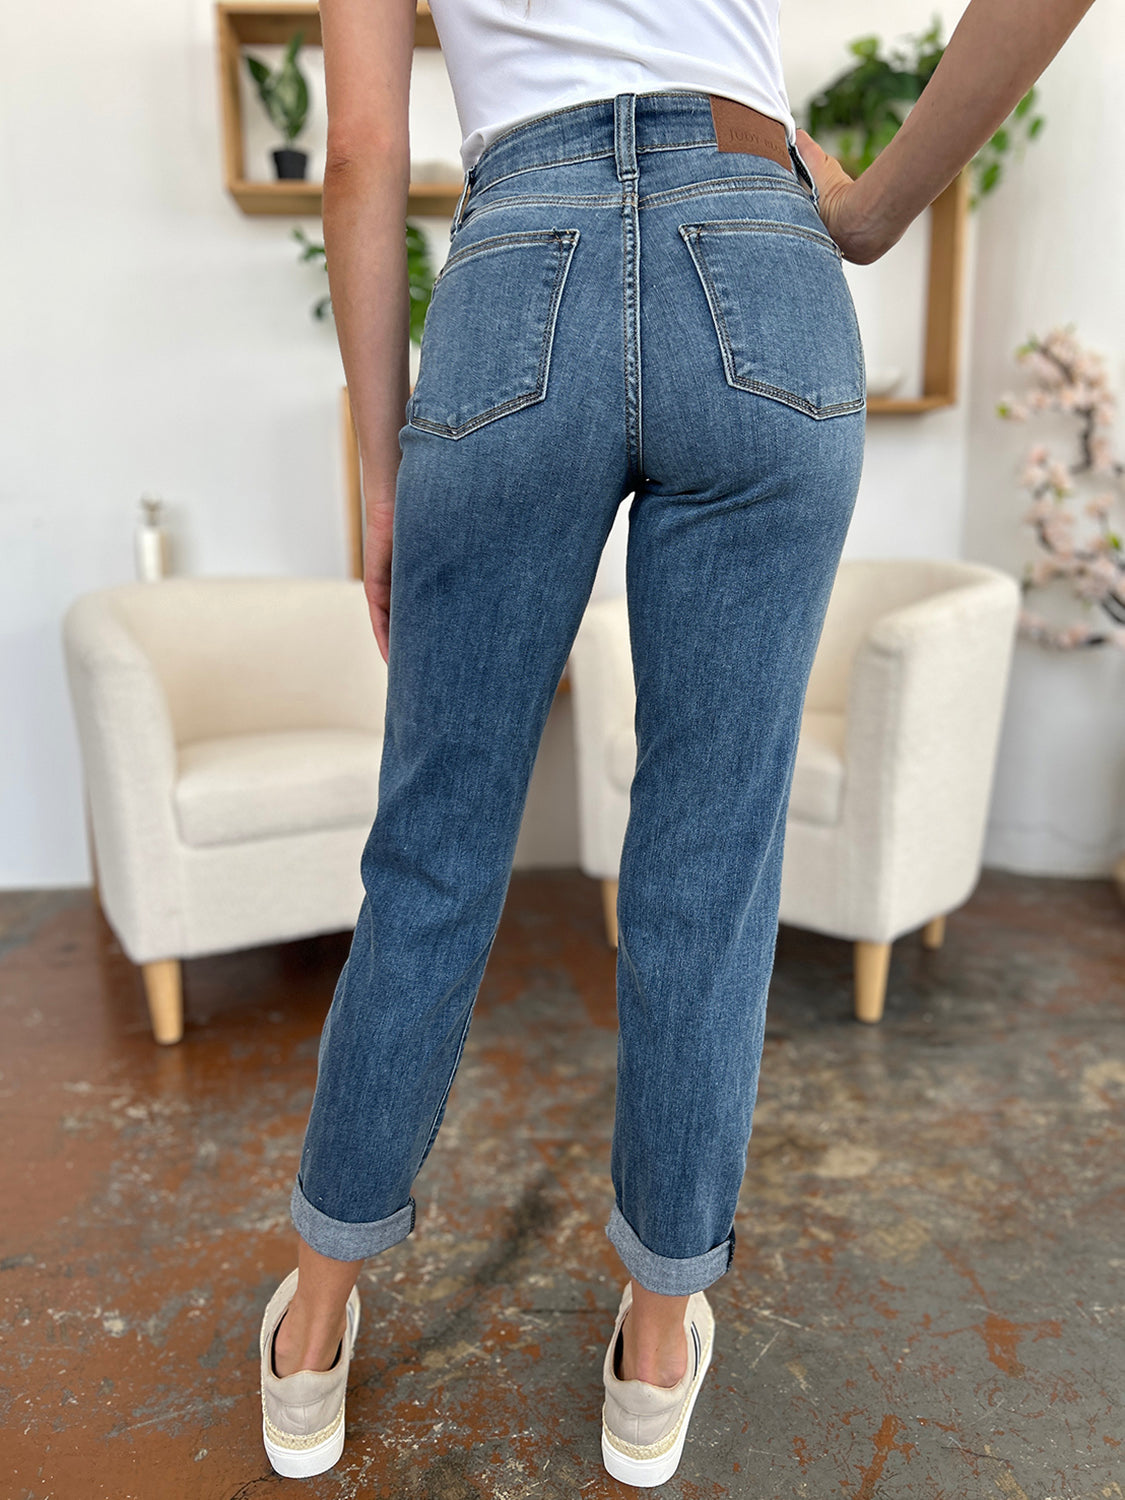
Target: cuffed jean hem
(661, 1273)
(341, 1241)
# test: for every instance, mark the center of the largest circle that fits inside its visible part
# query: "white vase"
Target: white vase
(1058, 800)
(151, 543)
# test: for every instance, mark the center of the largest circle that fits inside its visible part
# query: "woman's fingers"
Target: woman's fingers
(377, 568)
(834, 188)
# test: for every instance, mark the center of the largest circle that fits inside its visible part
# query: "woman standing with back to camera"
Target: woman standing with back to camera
(644, 295)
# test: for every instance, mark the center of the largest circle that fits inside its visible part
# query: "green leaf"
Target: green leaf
(869, 100)
(885, 133)
(300, 111)
(1024, 105)
(1036, 126)
(258, 70)
(999, 141)
(864, 46)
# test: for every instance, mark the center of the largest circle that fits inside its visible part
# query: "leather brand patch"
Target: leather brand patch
(740, 128)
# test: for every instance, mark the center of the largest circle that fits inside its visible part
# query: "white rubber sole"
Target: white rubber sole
(646, 1473)
(302, 1463)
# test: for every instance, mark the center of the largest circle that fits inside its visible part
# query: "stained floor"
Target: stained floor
(926, 1300)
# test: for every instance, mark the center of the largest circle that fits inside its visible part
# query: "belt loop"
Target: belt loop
(456, 225)
(625, 135)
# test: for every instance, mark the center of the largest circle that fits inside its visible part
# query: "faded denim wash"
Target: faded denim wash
(624, 310)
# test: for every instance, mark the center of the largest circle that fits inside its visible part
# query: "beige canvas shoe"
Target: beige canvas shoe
(303, 1413)
(644, 1426)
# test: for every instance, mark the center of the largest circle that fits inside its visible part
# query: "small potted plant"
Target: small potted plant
(861, 110)
(285, 98)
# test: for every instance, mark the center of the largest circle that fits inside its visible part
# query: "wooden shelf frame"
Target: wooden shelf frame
(263, 23)
(945, 293)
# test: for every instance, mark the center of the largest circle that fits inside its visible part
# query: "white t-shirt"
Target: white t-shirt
(509, 60)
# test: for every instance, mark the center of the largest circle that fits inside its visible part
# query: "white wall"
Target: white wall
(156, 339)
(1051, 248)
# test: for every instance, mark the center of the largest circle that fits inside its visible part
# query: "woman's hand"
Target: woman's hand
(379, 508)
(839, 206)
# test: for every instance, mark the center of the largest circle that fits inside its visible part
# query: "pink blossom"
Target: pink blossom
(1059, 475)
(1104, 571)
(1094, 579)
(1064, 377)
(1044, 369)
(1073, 635)
(1058, 534)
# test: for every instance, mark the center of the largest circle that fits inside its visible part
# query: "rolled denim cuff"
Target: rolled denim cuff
(662, 1273)
(341, 1241)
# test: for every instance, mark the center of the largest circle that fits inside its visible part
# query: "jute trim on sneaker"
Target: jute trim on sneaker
(647, 1450)
(290, 1440)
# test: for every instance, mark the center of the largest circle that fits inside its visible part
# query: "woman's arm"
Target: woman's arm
(997, 51)
(368, 51)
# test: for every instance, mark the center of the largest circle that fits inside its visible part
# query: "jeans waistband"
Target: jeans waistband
(623, 127)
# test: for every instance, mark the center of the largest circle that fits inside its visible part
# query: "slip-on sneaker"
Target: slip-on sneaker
(644, 1426)
(303, 1413)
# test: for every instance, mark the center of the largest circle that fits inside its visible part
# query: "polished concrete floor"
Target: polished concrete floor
(926, 1300)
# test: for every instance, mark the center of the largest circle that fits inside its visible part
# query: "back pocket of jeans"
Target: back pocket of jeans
(783, 313)
(489, 330)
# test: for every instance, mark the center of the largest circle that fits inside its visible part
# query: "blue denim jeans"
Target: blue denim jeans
(624, 310)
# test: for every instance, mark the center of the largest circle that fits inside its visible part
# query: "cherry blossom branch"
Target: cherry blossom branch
(1069, 379)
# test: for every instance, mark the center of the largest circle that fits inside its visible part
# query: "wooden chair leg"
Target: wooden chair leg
(609, 907)
(933, 934)
(164, 993)
(872, 961)
(93, 861)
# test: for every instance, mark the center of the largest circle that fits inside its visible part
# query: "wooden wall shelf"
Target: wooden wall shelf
(949, 227)
(242, 23)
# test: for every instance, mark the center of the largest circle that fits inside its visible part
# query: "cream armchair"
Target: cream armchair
(894, 764)
(231, 732)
